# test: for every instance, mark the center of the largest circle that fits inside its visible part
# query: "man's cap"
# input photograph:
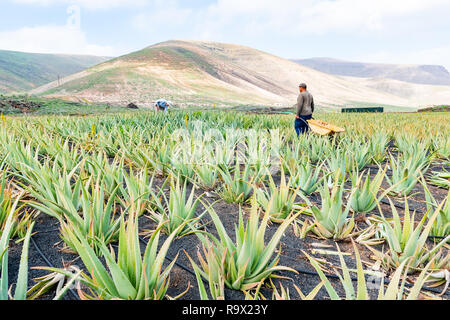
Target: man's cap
(303, 85)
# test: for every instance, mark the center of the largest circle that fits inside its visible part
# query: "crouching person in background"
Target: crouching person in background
(162, 105)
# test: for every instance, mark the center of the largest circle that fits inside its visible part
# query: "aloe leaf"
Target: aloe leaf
(331, 292)
(22, 278)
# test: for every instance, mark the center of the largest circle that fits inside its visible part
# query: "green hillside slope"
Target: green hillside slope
(21, 71)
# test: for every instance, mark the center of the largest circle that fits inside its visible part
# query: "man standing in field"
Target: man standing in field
(304, 109)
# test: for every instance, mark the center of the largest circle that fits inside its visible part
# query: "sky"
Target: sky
(385, 31)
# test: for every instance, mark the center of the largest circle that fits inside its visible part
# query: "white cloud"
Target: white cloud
(52, 39)
(313, 16)
(288, 17)
(357, 15)
(88, 4)
(65, 39)
(165, 13)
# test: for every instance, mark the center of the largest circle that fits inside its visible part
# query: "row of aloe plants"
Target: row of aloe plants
(328, 206)
(90, 191)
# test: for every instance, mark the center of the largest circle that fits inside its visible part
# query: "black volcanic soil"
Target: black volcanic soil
(47, 240)
(18, 105)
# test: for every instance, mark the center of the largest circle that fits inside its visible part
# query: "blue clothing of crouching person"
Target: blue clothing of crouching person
(162, 105)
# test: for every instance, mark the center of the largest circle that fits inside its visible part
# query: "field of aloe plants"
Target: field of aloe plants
(216, 205)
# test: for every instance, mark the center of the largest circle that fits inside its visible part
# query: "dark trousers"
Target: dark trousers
(301, 126)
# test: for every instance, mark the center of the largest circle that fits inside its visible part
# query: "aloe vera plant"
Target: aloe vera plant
(411, 147)
(407, 241)
(245, 263)
(160, 159)
(89, 213)
(292, 158)
(394, 291)
(440, 179)
(237, 184)
(307, 178)
(42, 181)
(207, 176)
(65, 156)
(223, 153)
(136, 193)
(440, 278)
(127, 275)
(364, 198)
(257, 150)
(332, 221)
(177, 210)
(278, 202)
(47, 282)
(340, 161)
(377, 147)
(77, 203)
(21, 154)
(359, 154)
(111, 174)
(20, 292)
(144, 156)
(316, 147)
(405, 175)
(441, 144)
(214, 272)
(21, 218)
(283, 294)
(441, 226)
(183, 167)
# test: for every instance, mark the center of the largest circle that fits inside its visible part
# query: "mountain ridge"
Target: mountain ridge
(206, 73)
(412, 73)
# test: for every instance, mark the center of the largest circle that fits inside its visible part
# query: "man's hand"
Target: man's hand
(297, 117)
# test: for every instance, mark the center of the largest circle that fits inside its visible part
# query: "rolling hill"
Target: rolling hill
(419, 74)
(20, 71)
(207, 73)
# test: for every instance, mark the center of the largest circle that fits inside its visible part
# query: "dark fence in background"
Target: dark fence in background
(362, 110)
